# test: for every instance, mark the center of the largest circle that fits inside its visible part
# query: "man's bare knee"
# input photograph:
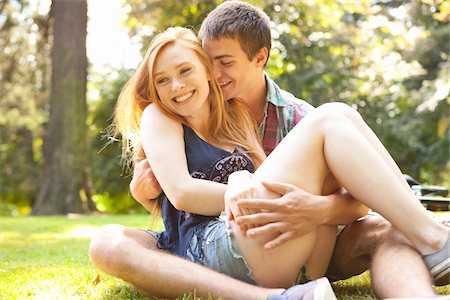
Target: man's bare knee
(356, 244)
(375, 228)
(104, 244)
(111, 243)
(362, 237)
(393, 236)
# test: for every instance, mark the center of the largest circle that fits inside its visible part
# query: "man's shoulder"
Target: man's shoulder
(291, 99)
(283, 98)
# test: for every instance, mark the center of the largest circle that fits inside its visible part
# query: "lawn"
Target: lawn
(46, 258)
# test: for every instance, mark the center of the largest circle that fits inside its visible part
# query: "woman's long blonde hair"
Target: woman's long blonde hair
(230, 120)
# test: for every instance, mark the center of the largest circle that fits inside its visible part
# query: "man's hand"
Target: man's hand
(144, 187)
(292, 215)
(241, 185)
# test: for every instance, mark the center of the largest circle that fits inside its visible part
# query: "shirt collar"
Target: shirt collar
(274, 92)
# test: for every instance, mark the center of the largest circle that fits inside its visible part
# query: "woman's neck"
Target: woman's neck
(202, 127)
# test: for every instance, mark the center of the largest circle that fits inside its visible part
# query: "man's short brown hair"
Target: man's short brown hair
(241, 21)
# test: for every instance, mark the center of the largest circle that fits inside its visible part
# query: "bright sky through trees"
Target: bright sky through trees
(107, 41)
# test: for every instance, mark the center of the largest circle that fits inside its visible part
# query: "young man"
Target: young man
(237, 38)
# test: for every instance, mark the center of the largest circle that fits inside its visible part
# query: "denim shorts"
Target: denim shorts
(215, 248)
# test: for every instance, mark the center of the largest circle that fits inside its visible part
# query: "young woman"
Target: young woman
(195, 141)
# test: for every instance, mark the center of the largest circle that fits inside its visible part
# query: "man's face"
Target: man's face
(233, 70)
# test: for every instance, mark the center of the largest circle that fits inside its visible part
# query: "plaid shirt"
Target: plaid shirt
(283, 112)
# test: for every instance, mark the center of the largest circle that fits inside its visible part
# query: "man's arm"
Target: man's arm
(144, 187)
(297, 212)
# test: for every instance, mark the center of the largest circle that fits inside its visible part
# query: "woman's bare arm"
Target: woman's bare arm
(163, 142)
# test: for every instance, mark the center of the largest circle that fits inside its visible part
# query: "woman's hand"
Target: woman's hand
(241, 185)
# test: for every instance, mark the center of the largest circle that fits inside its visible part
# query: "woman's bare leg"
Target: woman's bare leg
(279, 267)
(328, 142)
(353, 116)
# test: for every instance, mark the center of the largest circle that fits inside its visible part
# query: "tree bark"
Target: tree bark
(65, 144)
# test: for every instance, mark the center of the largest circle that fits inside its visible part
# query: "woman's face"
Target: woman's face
(181, 81)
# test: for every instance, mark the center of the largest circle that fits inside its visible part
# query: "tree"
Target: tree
(65, 145)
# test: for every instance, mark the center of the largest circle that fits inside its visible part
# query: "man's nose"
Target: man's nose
(217, 71)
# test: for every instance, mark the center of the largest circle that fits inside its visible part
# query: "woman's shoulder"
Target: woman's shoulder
(155, 113)
(156, 119)
(152, 110)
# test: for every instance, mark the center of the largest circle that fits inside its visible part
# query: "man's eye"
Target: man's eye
(226, 63)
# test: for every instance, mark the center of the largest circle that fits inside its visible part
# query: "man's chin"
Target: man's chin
(228, 96)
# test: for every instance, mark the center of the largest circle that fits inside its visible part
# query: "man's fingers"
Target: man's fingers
(278, 187)
(267, 229)
(229, 213)
(253, 212)
(268, 204)
(281, 239)
(259, 218)
(142, 163)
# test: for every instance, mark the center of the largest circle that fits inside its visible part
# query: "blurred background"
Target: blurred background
(64, 62)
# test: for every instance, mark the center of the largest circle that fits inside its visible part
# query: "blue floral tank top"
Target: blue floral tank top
(207, 162)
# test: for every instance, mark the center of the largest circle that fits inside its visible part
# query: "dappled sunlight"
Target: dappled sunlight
(52, 283)
(81, 232)
(84, 232)
(65, 282)
(10, 235)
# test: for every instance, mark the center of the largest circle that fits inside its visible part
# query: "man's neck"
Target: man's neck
(255, 98)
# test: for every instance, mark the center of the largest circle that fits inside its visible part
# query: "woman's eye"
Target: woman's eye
(161, 80)
(185, 70)
(226, 63)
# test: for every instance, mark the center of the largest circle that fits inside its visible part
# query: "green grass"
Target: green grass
(46, 258)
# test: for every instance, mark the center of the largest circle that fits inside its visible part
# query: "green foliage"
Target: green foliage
(388, 59)
(23, 93)
(110, 179)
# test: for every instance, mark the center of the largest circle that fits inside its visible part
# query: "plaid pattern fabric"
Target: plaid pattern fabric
(283, 112)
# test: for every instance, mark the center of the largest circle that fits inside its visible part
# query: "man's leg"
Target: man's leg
(355, 246)
(133, 256)
(397, 269)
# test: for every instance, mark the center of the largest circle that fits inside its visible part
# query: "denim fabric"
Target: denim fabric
(215, 248)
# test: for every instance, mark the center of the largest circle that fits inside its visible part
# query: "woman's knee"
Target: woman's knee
(329, 117)
(345, 110)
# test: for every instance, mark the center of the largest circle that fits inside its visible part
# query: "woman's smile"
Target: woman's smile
(184, 97)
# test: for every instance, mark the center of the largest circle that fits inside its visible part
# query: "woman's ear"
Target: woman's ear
(261, 57)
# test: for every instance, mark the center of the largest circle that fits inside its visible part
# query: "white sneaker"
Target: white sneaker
(319, 289)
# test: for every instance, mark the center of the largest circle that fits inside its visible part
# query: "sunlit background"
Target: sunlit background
(386, 58)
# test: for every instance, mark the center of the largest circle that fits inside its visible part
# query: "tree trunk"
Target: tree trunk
(65, 144)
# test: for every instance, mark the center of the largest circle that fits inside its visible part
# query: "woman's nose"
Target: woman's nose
(177, 84)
